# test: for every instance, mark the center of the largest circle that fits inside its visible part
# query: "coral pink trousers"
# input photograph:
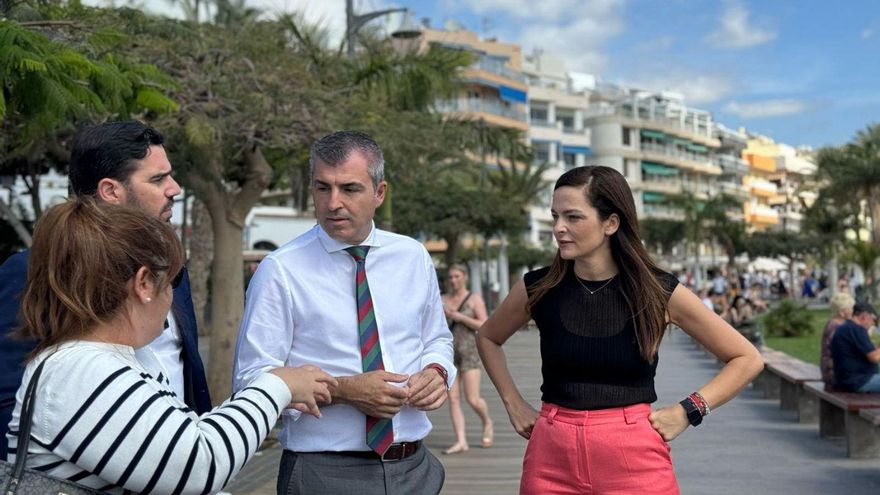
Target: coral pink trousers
(603, 452)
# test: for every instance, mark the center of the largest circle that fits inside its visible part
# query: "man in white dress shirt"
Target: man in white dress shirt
(302, 308)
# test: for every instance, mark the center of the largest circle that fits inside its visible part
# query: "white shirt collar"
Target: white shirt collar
(331, 245)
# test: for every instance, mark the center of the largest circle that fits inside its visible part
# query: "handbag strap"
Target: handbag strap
(24, 422)
(464, 301)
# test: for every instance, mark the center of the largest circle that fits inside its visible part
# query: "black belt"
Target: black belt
(395, 452)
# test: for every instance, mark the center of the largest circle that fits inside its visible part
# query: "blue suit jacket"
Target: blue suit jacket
(13, 275)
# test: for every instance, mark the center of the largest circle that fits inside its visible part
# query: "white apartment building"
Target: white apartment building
(556, 133)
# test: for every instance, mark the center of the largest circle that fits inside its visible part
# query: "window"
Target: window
(542, 152)
(569, 159)
(567, 122)
(625, 138)
(538, 114)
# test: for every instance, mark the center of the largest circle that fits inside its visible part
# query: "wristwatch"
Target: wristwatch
(695, 417)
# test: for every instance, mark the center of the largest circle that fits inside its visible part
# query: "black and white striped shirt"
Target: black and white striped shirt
(101, 420)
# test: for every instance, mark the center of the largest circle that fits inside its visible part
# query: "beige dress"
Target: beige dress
(464, 341)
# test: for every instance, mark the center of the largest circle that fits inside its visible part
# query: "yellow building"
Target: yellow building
(776, 174)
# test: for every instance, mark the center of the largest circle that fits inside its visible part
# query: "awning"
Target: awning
(696, 147)
(681, 142)
(657, 169)
(653, 134)
(577, 150)
(652, 197)
(512, 95)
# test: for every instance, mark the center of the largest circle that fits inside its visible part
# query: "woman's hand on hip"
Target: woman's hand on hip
(669, 421)
(523, 417)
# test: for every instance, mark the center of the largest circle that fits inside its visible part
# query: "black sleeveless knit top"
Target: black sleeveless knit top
(589, 351)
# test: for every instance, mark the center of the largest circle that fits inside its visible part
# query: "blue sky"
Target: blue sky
(804, 72)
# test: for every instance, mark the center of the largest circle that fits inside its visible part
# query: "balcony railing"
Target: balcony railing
(542, 123)
(763, 185)
(732, 164)
(674, 151)
(493, 107)
(663, 212)
(496, 66)
(625, 111)
(652, 183)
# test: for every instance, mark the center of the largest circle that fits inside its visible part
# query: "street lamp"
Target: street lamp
(353, 23)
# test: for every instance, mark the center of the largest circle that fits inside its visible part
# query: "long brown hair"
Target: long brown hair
(84, 253)
(607, 191)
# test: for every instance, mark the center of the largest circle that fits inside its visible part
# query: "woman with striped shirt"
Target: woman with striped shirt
(100, 286)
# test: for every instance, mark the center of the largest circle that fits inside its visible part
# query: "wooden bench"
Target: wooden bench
(841, 415)
(792, 374)
(767, 382)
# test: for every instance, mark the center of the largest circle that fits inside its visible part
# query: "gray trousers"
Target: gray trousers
(319, 473)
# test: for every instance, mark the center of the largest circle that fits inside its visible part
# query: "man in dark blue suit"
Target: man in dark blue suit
(121, 163)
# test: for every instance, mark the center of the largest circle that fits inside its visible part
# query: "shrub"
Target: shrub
(788, 319)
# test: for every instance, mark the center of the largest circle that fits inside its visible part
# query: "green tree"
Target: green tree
(50, 85)
(854, 169)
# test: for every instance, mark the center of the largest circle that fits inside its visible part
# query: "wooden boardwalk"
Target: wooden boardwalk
(747, 446)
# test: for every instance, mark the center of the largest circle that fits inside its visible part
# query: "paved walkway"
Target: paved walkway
(747, 446)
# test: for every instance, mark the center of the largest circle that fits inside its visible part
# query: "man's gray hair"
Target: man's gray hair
(333, 149)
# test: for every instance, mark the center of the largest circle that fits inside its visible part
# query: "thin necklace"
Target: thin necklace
(593, 291)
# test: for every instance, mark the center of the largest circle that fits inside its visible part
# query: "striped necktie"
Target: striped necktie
(380, 433)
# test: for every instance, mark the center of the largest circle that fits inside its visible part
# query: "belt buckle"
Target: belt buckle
(399, 452)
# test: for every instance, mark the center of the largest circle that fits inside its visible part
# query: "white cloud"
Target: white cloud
(548, 10)
(767, 108)
(737, 31)
(572, 30)
(697, 88)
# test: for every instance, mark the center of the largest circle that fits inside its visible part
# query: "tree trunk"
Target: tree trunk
(201, 255)
(833, 274)
(874, 215)
(20, 229)
(228, 212)
(33, 188)
(503, 269)
(227, 288)
(451, 256)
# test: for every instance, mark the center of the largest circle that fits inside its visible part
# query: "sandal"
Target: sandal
(488, 436)
(456, 449)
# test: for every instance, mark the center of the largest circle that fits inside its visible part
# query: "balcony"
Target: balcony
(763, 188)
(499, 67)
(656, 184)
(662, 212)
(760, 214)
(543, 123)
(510, 116)
(674, 151)
(733, 189)
(700, 132)
(732, 165)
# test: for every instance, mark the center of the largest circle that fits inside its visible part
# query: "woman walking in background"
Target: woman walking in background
(465, 313)
(601, 309)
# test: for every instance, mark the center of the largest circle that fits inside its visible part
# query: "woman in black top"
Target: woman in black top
(601, 309)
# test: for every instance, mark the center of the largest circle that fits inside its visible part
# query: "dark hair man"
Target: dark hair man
(121, 163)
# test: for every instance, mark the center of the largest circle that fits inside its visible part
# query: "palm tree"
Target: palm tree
(855, 167)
